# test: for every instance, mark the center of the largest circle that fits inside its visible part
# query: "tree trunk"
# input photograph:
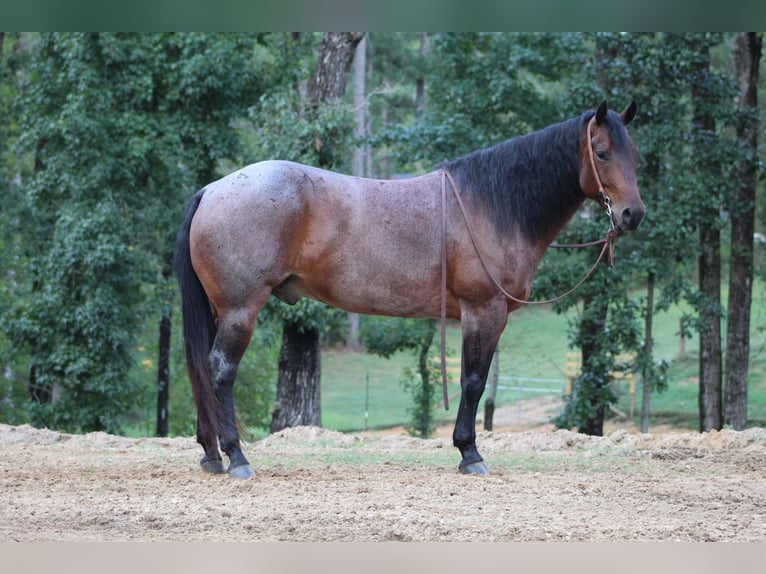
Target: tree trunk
(360, 107)
(333, 65)
(298, 384)
(424, 414)
(358, 168)
(746, 47)
(591, 332)
(646, 382)
(163, 374)
(710, 363)
(420, 89)
(38, 393)
(298, 388)
(709, 260)
(163, 354)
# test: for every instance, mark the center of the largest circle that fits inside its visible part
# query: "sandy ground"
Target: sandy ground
(313, 484)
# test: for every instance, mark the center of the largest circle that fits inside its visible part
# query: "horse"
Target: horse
(376, 246)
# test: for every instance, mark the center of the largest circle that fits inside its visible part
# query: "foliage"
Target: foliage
(104, 136)
(120, 129)
(77, 353)
(284, 130)
(385, 336)
(485, 88)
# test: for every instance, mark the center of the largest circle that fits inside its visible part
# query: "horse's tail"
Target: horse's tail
(199, 329)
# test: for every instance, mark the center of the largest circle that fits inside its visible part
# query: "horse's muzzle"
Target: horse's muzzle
(631, 217)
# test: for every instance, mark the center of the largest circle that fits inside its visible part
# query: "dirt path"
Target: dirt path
(317, 485)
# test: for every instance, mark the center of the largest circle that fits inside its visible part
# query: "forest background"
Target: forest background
(104, 137)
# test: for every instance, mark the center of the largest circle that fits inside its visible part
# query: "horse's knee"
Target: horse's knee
(224, 370)
(473, 388)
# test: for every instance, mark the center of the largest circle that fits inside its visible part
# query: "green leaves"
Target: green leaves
(78, 323)
(385, 336)
(121, 129)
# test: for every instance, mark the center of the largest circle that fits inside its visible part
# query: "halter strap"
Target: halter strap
(605, 200)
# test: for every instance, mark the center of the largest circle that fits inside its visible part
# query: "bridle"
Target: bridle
(606, 201)
(608, 244)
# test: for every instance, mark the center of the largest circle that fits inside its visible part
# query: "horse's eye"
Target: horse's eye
(602, 155)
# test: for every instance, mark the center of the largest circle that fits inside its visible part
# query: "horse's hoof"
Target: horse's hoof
(474, 468)
(241, 471)
(212, 466)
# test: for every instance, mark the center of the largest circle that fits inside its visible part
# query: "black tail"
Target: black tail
(199, 329)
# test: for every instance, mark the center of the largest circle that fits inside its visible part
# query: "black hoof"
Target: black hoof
(241, 471)
(214, 466)
(474, 468)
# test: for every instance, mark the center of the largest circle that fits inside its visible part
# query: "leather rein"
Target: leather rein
(608, 243)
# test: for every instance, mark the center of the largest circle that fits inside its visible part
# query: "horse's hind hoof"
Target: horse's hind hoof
(212, 466)
(474, 468)
(241, 471)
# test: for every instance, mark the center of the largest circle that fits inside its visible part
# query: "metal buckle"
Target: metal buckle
(607, 203)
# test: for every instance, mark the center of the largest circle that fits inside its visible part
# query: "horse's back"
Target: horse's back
(356, 243)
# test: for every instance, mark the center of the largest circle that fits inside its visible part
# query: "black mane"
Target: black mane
(529, 182)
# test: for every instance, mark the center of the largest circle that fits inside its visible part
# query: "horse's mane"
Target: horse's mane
(528, 182)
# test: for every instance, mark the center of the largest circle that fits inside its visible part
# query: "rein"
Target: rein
(608, 243)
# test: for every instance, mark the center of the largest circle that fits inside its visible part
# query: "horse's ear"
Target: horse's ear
(630, 113)
(601, 113)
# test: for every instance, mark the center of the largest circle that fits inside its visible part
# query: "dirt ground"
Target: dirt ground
(313, 484)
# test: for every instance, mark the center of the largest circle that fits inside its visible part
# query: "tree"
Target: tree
(652, 69)
(201, 81)
(385, 336)
(14, 393)
(123, 128)
(746, 48)
(298, 385)
(485, 88)
(708, 89)
(361, 150)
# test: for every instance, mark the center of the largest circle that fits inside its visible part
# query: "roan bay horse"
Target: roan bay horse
(375, 247)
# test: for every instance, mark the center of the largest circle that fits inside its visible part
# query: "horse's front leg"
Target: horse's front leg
(481, 332)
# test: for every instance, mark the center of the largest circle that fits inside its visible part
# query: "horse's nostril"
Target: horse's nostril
(632, 218)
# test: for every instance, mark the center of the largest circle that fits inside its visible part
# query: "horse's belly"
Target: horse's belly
(383, 294)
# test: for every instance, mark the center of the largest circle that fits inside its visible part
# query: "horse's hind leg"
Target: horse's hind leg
(211, 462)
(481, 332)
(235, 328)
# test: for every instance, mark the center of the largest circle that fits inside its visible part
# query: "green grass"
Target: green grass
(534, 345)
(352, 380)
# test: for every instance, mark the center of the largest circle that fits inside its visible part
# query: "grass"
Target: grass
(534, 345)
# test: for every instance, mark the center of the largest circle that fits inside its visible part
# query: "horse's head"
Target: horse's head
(608, 166)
